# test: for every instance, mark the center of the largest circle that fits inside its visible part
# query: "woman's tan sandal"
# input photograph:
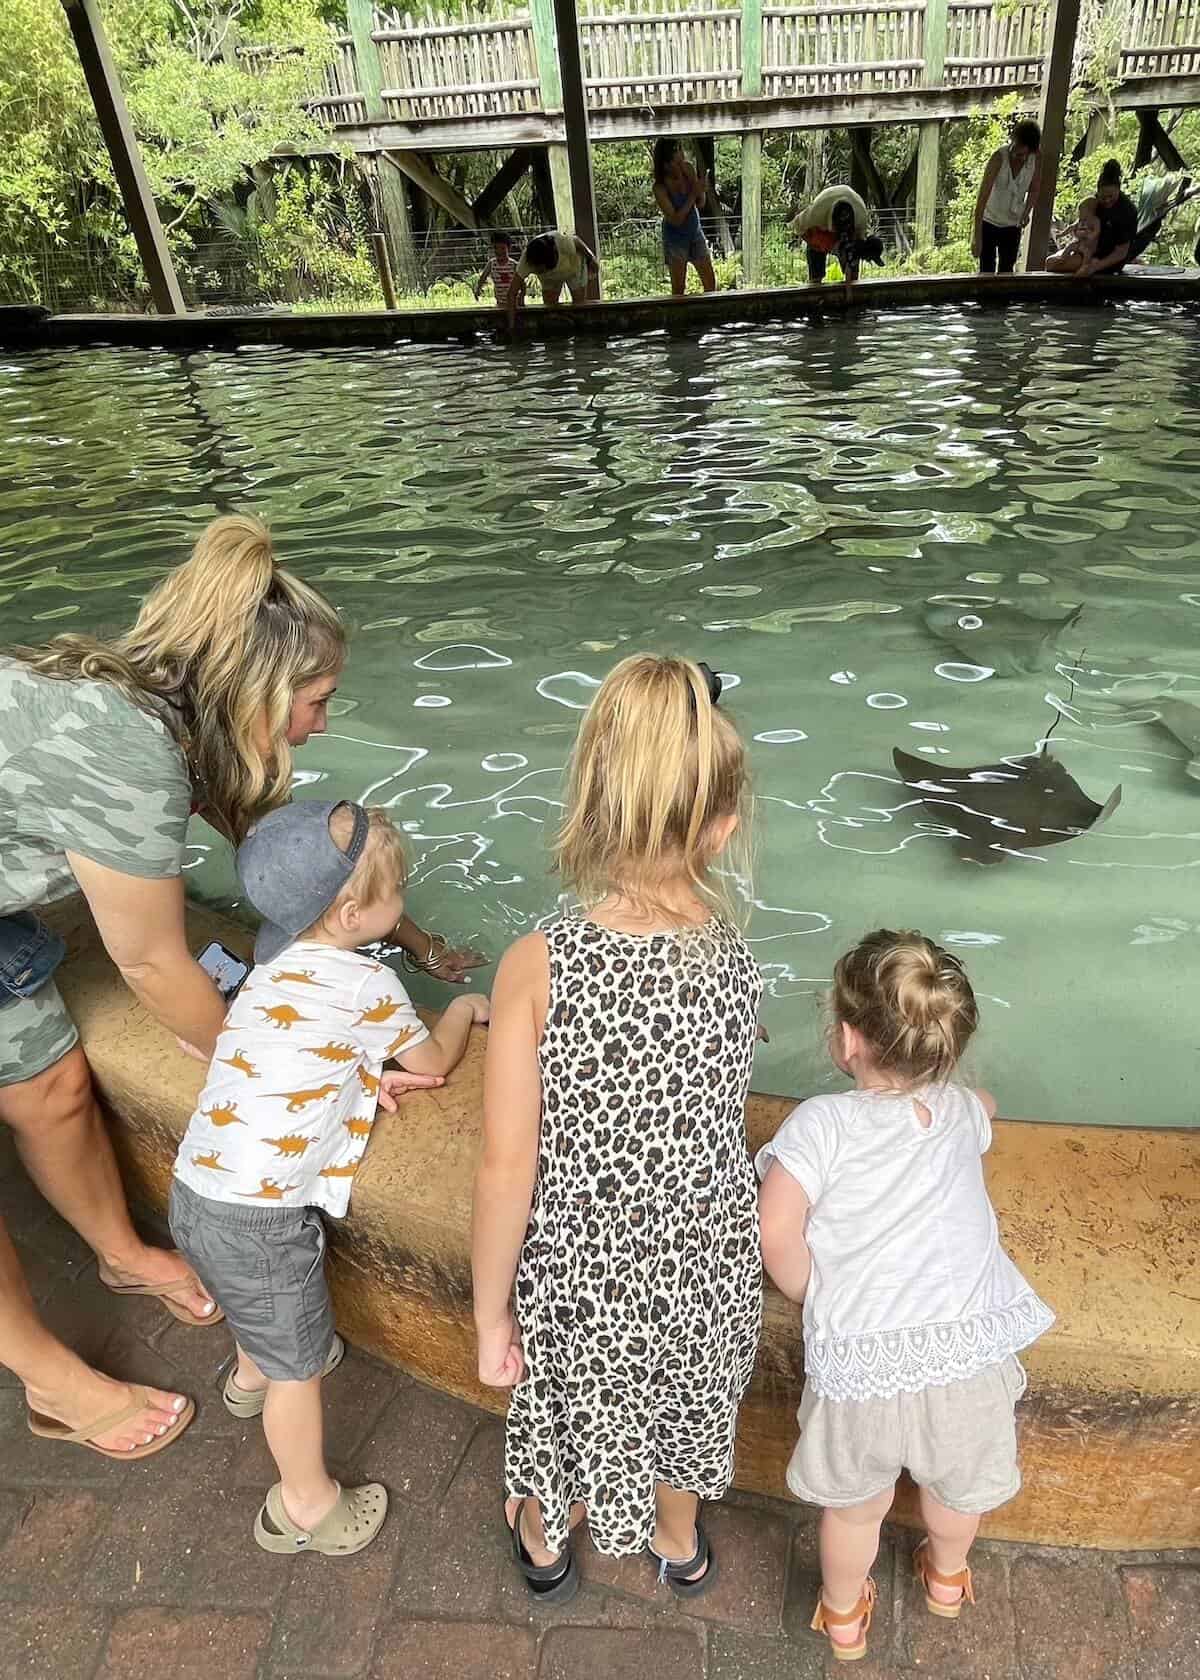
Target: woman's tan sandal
(824, 1618)
(249, 1402)
(49, 1429)
(925, 1572)
(167, 1293)
(353, 1522)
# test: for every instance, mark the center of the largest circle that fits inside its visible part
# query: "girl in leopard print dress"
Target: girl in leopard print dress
(618, 1285)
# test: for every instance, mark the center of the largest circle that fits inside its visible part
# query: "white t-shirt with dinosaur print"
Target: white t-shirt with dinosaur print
(287, 1109)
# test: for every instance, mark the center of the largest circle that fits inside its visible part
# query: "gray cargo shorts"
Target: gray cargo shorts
(959, 1441)
(266, 1267)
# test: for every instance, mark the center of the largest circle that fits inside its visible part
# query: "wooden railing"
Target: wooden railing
(689, 52)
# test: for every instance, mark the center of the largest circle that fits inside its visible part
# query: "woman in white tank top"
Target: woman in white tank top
(1006, 198)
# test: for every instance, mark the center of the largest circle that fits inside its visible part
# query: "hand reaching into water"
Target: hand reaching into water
(451, 963)
(501, 1357)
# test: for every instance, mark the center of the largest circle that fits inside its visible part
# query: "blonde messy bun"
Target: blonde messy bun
(911, 1001)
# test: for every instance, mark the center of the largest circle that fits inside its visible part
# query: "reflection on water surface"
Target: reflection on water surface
(935, 530)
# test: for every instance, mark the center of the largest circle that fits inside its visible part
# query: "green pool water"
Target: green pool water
(810, 509)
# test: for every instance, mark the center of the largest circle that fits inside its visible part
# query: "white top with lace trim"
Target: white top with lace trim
(910, 1288)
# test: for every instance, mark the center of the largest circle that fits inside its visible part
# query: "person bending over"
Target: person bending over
(557, 260)
(835, 224)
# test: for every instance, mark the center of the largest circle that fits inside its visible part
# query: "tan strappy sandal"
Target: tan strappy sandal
(824, 1618)
(50, 1429)
(925, 1572)
(121, 1283)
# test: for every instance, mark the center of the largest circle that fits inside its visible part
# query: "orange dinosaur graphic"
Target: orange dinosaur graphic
(300, 977)
(332, 1052)
(348, 1171)
(270, 1191)
(292, 1144)
(399, 1041)
(282, 1015)
(227, 1116)
(368, 1082)
(383, 1011)
(296, 1100)
(239, 1063)
(213, 1162)
(356, 1126)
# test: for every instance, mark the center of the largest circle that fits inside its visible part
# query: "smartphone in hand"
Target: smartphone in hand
(226, 971)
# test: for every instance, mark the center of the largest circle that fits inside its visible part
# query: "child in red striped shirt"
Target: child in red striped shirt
(499, 269)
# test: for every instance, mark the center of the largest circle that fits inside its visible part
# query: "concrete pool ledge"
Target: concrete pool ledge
(1104, 1222)
(20, 329)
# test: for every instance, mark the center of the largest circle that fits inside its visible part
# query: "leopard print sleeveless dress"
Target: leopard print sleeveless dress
(639, 1288)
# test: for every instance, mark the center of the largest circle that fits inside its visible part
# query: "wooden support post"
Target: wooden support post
(865, 169)
(360, 21)
(1147, 122)
(500, 185)
(714, 213)
(104, 85)
(397, 224)
(393, 195)
(1162, 143)
(545, 47)
(929, 134)
(1096, 132)
(1056, 87)
(575, 120)
(418, 168)
(383, 264)
(928, 157)
(752, 208)
(752, 145)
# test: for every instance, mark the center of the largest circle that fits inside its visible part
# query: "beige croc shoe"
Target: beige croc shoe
(354, 1521)
(249, 1402)
(50, 1429)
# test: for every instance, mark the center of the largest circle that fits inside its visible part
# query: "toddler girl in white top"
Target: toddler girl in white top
(875, 1215)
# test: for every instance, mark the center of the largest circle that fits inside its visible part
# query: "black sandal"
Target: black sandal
(676, 1574)
(550, 1583)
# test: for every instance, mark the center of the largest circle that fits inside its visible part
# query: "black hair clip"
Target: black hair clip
(713, 680)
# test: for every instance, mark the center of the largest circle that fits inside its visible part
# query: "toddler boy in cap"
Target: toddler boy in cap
(281, 1127)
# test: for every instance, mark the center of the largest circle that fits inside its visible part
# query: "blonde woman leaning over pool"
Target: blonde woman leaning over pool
(618, 1286)
(556, 261)
(105, 748)
(875, 1215)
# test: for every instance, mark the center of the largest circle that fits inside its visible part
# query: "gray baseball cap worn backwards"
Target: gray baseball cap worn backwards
(291, 868)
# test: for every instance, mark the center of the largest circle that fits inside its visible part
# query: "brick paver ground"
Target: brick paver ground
(119, 1572)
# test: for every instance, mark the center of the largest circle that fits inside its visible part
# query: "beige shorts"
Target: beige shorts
(958, 1441)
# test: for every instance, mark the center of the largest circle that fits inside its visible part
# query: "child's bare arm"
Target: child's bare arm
(988, 1101)
(512, 1115)
(447, 1041)
(783, 1211)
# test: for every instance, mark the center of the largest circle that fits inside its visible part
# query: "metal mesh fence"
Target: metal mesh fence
(439, 271)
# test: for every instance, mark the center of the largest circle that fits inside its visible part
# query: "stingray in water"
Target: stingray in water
(1008, 641)
(1183, 720)
(1017, 805)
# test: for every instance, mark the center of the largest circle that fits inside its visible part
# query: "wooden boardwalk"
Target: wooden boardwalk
(707, 66)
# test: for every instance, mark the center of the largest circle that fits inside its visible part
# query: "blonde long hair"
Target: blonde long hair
(655, 765)
(910, 999)
(225, 640)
